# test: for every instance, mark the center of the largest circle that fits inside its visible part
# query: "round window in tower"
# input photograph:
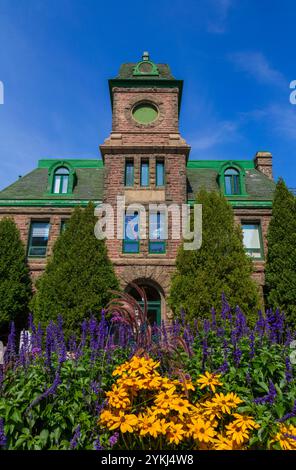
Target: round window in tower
(145, 113)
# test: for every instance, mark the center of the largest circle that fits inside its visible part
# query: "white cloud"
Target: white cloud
(257, 66)
(216, 134)
(220, 9)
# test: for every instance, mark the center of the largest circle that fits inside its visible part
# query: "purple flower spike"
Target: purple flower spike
(113, 439)
(269, 398)
(75, 439)
(3, 439)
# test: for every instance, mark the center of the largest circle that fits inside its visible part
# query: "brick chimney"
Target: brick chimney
(263, 163)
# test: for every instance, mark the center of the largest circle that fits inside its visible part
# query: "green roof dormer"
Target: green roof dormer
(145, 67)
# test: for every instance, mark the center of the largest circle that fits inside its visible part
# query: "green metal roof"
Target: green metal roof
(32, 189)
(126, 71)
(204, 174)
(127, 78)
(34, 186)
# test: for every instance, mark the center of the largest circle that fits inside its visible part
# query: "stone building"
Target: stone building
(146, 160)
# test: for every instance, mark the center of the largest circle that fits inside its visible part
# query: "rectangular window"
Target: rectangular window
(157, 232)
(144, 173)
(252, 239)
(131, 233)
(129, 173)
(63, 225)
(159, 173)
(39, 233)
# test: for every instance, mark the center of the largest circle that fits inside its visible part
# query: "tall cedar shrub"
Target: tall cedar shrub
(280, 272)
(78, 277)
(219, 266)
(15, 282)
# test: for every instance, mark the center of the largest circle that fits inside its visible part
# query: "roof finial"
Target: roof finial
(145, 55)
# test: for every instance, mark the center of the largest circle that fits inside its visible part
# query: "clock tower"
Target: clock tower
(145, 161)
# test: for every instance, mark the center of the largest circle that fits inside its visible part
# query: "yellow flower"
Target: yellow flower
(118, 397)
(201, 430)
(226, 402)
(211, 410)
(106, 417)
(180, 405)
(166, 383)
(163, 398)
(286, 437)
(209, 380)
(149, 425)
(175, 433)
(245, 422)
(125, 422)
(236, 433)
(120, 369)
(222, 443)
(233, 399)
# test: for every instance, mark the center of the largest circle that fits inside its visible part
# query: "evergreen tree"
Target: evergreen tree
(15, 282)
(219, 266)
(280, 273)
(78, 277)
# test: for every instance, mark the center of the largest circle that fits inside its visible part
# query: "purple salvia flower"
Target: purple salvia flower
(289, 370)
(84, 330)
(3, 439)
(240, 323)
(260, 324)
(269, 398)
(289, 337)
(290, 436)
(252, 345)
(290, 415)
(113, 439)
(275, 325)
(75, 439)
(214, 319)
(98, 445)
(52, 390)
(49, 344)
(248, 378)
(10, 352)
(206, 326)
(220, 332)
(224, 368)
(237, 355)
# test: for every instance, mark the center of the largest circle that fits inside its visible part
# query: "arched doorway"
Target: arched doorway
(153, 299)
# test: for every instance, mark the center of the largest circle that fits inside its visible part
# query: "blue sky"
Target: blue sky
(236, 57)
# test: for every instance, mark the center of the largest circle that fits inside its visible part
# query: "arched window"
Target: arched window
(231, 180)
(61, 180)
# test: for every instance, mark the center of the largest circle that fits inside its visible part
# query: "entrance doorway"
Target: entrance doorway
(153, 300)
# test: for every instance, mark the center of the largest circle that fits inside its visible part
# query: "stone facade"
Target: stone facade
(31, 198)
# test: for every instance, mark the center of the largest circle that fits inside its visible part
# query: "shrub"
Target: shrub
(78, 277)
(219, 266)
(15, 283)
(280, 272)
